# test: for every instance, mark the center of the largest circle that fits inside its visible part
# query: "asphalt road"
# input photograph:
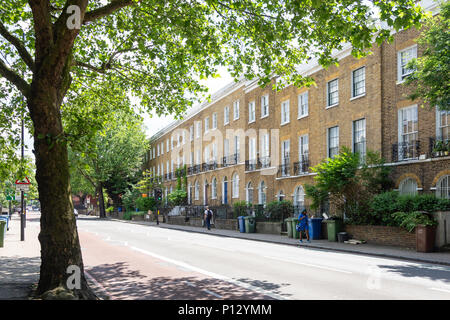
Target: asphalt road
(130, 261)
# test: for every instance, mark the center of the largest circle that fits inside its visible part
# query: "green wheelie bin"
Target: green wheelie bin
(289, 226)
(334, 226)
(249, 224)
(295, 233)
(2, 232)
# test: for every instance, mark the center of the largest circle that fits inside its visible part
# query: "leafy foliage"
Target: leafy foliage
(411, 220)
(431, 80)
(178, 197)
(280, 210)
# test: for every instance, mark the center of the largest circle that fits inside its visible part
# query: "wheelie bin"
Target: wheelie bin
(289, 226)
(241, 224)
(315, 228)
(249, 224)
(295, 233)
(2, 232)
(6, 219)
(334, 226)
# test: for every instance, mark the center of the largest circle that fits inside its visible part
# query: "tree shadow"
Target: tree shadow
(17, 275)
(121, 282)
(433, 273)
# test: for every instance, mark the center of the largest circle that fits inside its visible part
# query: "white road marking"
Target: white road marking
(213, 293)
(210, 274)
(307, 264)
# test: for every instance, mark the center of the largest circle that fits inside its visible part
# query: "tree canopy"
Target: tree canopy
(156, 51)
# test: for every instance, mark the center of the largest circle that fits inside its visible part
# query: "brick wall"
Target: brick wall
(383, 235)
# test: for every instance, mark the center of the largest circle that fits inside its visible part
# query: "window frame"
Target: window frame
(283, 112)
(301, 96)
(266, 98)
(329, 105)
(353, 96)
(400, 76)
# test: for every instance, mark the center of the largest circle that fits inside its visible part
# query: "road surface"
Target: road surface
(131, 261)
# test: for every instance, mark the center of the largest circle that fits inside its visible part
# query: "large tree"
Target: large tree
(112, 158)
(158, 50)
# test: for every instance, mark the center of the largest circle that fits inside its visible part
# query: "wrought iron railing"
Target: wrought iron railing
(404, 151)
(301, 167)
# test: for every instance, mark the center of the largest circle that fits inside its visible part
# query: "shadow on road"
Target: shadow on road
(123, 283)
(433, 273)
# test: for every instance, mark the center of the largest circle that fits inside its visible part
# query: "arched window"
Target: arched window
(262, 193)
(249, 193)
(197, 190)
(408, 186)
(443, 187)
(235, 186)
(214, 188)
(299, 197)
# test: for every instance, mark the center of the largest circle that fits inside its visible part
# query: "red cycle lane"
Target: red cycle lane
(122, 273)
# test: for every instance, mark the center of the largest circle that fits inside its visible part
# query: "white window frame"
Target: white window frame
(226, 115)
(328, 141)
(251, 112)
(214, 188)
(329, 104)
(401, 77)
(262, 196)
(191, 133)
(264, 106)
(235, 186)
(214, 121)
(302, 107)
(303, 147)
(403, 184)
(401, 134)
(353, 83)
(354, 138)
(443, 190)
(236, 110)
(206, 125)
(198, 129)
(285, 116)
(440, 127)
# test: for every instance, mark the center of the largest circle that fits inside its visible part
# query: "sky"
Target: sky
(156, 123)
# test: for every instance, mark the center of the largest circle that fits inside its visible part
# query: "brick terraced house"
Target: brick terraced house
(254, 144)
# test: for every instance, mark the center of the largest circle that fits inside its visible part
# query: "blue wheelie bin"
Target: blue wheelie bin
(241, 224)
(315, 228)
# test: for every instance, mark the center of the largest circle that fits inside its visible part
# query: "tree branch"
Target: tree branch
(107, 10)
(26, 57)
(14, 78)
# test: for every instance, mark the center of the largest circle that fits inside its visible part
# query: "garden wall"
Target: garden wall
(391, 236)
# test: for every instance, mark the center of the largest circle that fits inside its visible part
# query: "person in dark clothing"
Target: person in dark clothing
(208, 217)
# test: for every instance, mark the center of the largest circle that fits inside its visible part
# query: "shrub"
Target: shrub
(146, 203)
(280, 210)
(383, 205)
(240, 208)
(177, 197)
(411, 220)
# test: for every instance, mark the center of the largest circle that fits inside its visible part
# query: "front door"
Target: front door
(225, 192)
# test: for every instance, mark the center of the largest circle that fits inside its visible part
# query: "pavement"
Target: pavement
(20, 260)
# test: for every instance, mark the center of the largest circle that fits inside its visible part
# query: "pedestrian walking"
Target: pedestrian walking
(303, 225)
(208, 217)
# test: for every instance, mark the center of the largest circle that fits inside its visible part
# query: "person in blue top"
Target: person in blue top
(303, 225)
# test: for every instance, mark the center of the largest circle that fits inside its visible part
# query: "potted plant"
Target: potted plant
(438, 148)
(425, 226)
(447, 148)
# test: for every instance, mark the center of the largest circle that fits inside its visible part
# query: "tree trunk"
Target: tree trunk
(101, 200)
(60, 246)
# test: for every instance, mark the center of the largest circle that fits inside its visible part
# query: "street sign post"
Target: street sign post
(22, 186)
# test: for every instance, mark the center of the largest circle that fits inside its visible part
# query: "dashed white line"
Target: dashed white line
(308, 264)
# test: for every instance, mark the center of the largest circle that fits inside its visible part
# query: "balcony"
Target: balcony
(301, 167)
(439, 147)
(251, 165)
(284, 170)
(404, 151)
(230, 160)
(264, 162)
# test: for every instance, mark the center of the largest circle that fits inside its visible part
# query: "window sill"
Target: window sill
(357, 97)
(252, 121)
(304, 116)
(332, 106)
(263, 117)
(285, 123)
